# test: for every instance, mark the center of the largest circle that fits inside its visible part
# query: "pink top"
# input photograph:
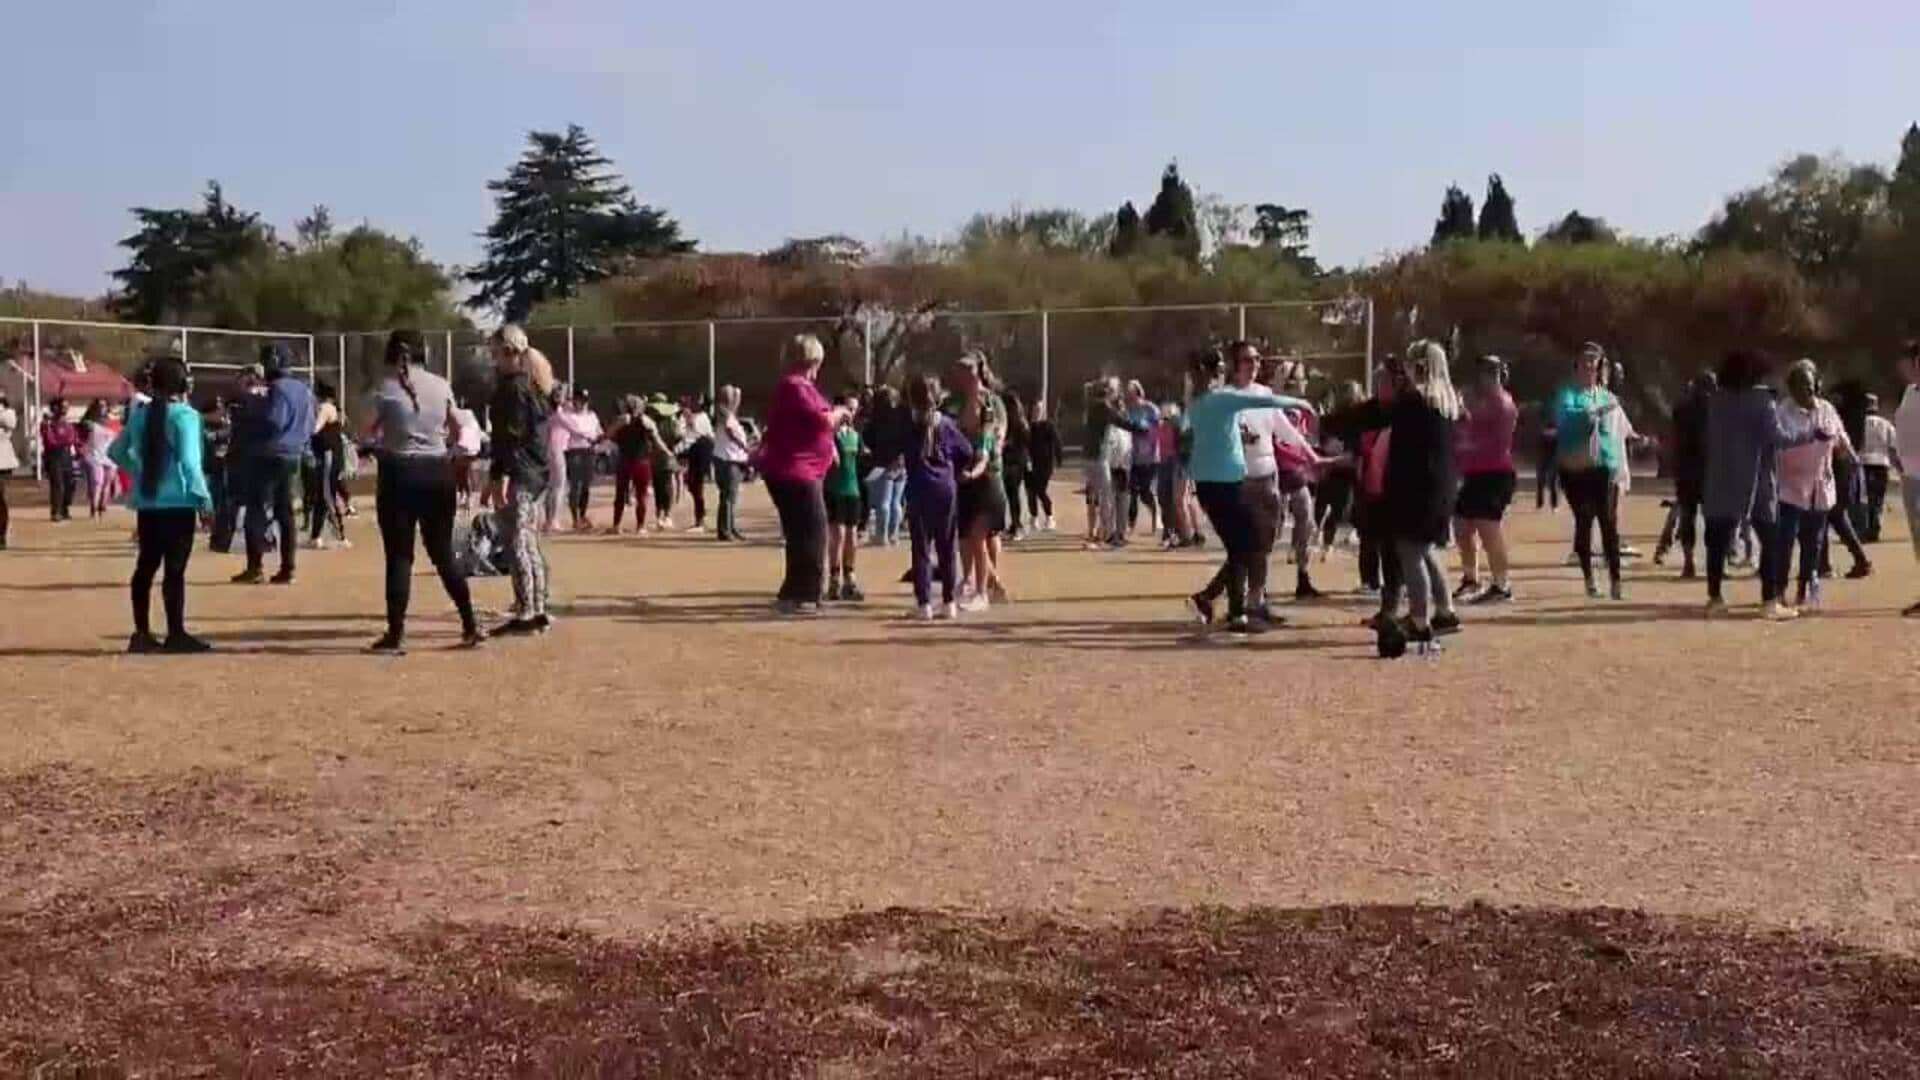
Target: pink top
(1167, 439)
(798, 444)
(1806, 471)
(1485, 435)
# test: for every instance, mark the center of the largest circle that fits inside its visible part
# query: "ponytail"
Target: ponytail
(402, 347)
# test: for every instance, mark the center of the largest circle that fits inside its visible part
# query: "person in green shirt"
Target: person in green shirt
(843, 505)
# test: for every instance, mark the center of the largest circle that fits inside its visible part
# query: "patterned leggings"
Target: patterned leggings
(520, 531)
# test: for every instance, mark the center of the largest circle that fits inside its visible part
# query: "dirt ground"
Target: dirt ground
(672, 765)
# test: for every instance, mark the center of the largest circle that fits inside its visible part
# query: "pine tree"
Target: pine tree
(175, 250)
(563, 220)
(1456, 217)
(1173, 214)
(1126, 231)
(1903, 193)
(1578, 228)
(1497, 221)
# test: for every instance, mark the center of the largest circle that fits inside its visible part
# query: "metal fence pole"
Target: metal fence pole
(570, 384)
(39, 402)
(183, 349)
(1367, 363)
(1242, 335)
(1046, 362)
(449, 356)
(866, 345)
(344, 393)
(713, 391)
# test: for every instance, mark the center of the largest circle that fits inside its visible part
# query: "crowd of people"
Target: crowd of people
(951, 462)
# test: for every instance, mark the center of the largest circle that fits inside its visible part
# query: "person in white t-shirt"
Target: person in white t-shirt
(1260, 430)
(1906, 449)
(467, 445)
(1876, 462)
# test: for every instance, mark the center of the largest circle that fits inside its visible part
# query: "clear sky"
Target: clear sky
(755, 122)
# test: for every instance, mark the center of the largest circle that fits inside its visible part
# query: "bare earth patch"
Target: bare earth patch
(1589, 840)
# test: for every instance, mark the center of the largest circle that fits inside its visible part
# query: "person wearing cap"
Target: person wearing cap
(1876, 461)
(271, 437)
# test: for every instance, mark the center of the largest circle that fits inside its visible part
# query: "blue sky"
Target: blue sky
(755, 122)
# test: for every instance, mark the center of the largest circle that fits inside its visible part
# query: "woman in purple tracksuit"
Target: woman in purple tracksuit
(936, 455)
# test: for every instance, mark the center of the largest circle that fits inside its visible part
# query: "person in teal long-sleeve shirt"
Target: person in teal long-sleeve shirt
(161, 448)
(1218, 466)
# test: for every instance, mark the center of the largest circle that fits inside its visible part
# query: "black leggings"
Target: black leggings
(1039, 499)
(1720, 544)
(1140, 492)
(803, 518)
(579, 481)
(59, 470)
(663, 488)
(1590, 493)
(166, 539)
(1234, 525)
(1841, 521)
(6, 513)
(1012, 476)
(699, 467)
(416, 493)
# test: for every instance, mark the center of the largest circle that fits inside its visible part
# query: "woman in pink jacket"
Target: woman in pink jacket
(794, 456)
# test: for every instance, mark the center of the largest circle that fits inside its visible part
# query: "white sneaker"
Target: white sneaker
(1775, 611)
(974, 603)
(344, 545)
(924, 612)
(949, 611)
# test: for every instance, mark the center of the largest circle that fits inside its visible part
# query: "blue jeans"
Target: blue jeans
(884, 494)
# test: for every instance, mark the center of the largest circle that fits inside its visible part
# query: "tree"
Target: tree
(1578, 228)
(1286, 231)
(316, 229)
(1044, 230)
(1456, 217)
(175, 250)
(364, 279)
(1903, 191)
(1497, 221)
(836, 249)
(1816, 212)
(1173, 214)
(1127, 232)
(563, 219)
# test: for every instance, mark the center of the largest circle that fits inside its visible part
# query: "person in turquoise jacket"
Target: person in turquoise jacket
(161, 449)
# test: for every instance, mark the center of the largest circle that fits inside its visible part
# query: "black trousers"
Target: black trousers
(1876, 477)
(663, 488)
(802, 506)
(1232, 522)
(1720, 533)
(226, 483)
(699, 467)
(726, 480)
(166, 541)
(1141, 492)
(1039, 499)
(59, 469)
(1012, 476)
(415, 494)
(1590, 493)
(6, 513)
(269, 490)
(580, 464)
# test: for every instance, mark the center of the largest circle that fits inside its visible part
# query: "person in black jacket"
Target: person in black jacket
(523, 400)
(1689, 469)
(1422, 484)
(1044, 454)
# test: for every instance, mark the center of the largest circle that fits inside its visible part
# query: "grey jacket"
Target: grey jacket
(1744, 439)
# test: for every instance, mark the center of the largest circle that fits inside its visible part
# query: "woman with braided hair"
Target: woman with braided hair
(412, 422)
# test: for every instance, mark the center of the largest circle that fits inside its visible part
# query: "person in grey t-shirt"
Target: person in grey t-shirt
(411, 420)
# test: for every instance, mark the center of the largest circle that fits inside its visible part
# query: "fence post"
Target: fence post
(345, 394)
(866, 344)
(712, 368)
(1367, 364)
(570, 384)
(39, 402)
(183, 349)
(449, 356)
(1046, 361)
(1242, 335)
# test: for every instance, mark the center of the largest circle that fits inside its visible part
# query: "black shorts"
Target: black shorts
(1484, 496)
(982, 499)
(844, 510)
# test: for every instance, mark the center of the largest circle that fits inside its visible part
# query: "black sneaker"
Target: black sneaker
(1494, 594)
(850, 593)
(249, 577)
(1265, 616)
(1911, 611)
(472, 638)
(143, 644)
(833, 590)
(1305, 591)
(1201, 608)
(541, 623)
(284, 577)
(389, 645)
(1444, 624)
(185, 644)
(1468, 587)
(1860, 570)
(1247, 626)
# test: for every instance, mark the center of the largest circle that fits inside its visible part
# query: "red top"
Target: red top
(1484, 437)
(798, 444)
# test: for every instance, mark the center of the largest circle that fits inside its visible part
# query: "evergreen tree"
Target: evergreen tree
(1903, 193)
(563, 219)
(1126, 232)
(1287, 231)
(1497, 221)
(1456, 217)
(1173, 214)
(1578, 228)
(175, 250)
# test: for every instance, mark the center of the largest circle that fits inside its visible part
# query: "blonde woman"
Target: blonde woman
(731, 451)
(522, 471)
(794, 456)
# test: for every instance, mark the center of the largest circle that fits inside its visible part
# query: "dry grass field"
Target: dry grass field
(1067, 837)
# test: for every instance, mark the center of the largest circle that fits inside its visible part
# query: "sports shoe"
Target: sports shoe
(1716, 608)
(1616, 592)
(1688, 573)
(949, 611)
(923, 612)
(1468, 587)
(1200, 608)
(1572, 559)
(1775, 611)
(1445, 623)
(249, 577)
(833, 589)
(1860, 570)
(541, 623)
(184, 644)
(142, 644)
(284, 577)
(1264, 615)
(472, 638)
(1494, 594)
(1246, 626)
(514, 627)
(1593, 589)
(1305, 590)
(850, 593)
(973, 603)
(1911, 611)
(997, 592)
(389, 645)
